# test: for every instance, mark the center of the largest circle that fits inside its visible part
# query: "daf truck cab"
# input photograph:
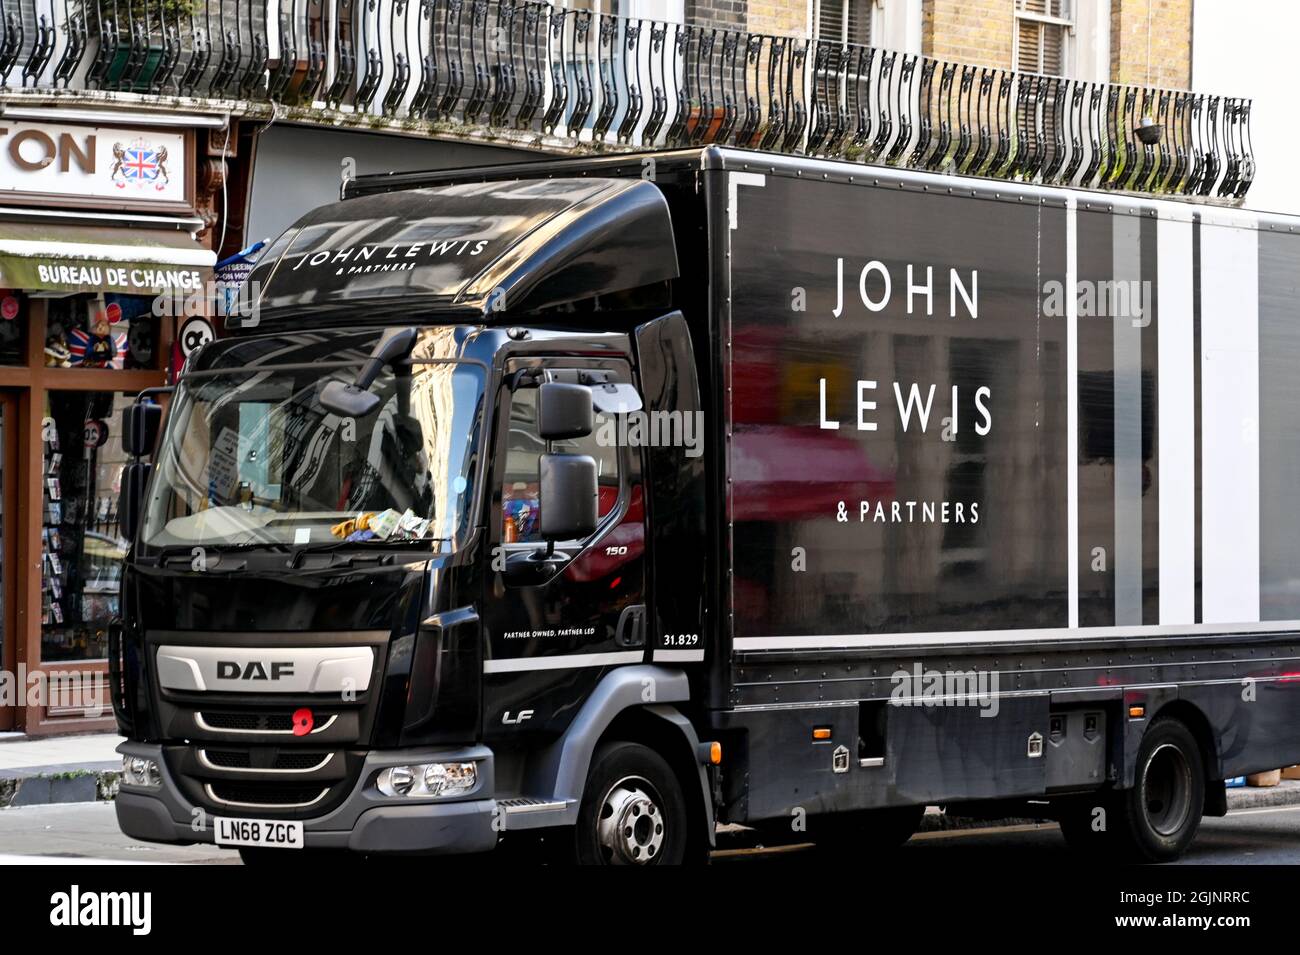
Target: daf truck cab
(388, 591)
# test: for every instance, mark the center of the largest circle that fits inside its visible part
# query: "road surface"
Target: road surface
(84, 833)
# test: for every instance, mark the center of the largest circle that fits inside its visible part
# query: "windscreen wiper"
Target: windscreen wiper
(333, 547)
(218, 558)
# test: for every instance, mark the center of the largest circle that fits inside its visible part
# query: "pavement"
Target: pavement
(41, 770)
(88, 833)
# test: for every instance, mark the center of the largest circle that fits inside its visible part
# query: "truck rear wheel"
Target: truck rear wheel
(633, 811)
(1159, 816)
(1155, 820)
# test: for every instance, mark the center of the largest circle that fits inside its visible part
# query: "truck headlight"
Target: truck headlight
(400, 781)
(450, 779)
(428, 779)
(141, 771)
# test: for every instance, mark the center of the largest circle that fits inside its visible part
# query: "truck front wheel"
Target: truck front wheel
(633, 811)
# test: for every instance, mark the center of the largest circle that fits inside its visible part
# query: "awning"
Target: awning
(66, 257)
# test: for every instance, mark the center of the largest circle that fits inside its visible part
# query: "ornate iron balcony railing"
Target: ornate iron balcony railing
(521, 68)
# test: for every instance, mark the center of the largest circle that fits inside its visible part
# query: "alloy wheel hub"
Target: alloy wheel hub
(630, 828)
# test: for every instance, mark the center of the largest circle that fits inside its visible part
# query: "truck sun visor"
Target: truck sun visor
(491, 249)
(615, 398)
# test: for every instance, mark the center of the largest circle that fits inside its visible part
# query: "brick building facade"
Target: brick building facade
(1146, 42)
(1151, 42)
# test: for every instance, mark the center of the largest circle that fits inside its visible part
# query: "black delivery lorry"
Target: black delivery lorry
(615, 498)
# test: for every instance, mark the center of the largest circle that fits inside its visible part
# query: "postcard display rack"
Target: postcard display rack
(80, 552)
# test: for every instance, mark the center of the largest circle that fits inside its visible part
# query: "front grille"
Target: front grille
(298, 761)
(239, 753)
(233, 721)
(255, 722)
(264, 760)
(229, 759)
(262, 794)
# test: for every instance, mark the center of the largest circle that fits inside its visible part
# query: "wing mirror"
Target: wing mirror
(356, 400)
(564, 411)
(130, 501)
(569, 496)
(141, 421)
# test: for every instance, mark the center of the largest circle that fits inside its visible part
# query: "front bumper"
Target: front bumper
(366, 821)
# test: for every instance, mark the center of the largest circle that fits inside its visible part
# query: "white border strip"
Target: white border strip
(566, 662)
(883, 640)
(679, 656)
(734, 181)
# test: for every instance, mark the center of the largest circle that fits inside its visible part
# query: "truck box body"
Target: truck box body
(1120, 453)
(932, 490)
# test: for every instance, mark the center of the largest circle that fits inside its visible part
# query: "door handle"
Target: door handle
(631, 627)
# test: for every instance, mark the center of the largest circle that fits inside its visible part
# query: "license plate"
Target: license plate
(272, 833)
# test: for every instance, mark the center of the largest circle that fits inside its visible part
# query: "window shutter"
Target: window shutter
(830, 20)
(844, 21)
(859, 22)
(1041, 34)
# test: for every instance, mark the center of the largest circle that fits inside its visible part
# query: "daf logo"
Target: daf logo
(254, 670)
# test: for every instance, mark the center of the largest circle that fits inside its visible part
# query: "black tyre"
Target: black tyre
(633, 811)
(868, 830)
(1158, 817)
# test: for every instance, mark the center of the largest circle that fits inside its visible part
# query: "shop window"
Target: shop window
(14, 316)
(520, 502)
(81, 541)
(102, 331)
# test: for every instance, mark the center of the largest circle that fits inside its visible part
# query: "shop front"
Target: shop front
(100, 258)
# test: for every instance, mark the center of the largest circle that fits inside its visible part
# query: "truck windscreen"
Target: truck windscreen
(251, 457)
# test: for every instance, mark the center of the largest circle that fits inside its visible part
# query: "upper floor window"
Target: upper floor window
(1043, 29)
(844, 21)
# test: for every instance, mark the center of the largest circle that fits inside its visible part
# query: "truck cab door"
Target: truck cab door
(552, 631)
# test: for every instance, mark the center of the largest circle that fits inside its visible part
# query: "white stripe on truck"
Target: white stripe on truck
(566, 661)
(881, 640)
(1229, 424)
(1176, 427)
